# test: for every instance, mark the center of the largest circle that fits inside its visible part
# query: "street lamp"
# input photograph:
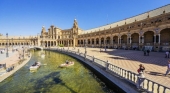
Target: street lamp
(85, 47)
(23, 52)
(37, 38)
(42, 40)
(19, 41)
(68, 45)
(7, 45)
(105, 44)
(12, 45)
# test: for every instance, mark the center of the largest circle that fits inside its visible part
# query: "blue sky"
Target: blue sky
(26, 17)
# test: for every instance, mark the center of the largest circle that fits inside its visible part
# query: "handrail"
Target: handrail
(148, 85)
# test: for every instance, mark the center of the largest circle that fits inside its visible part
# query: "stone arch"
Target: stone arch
(124, 38)
(108, 40)
(48, 44)
(160, 30)
(165, 36)
(149, 37)
(45, 43)
(115, 39)
(78, 42)
(97, 40)
(81, 41)
(88, 41)
(102, 40)
(134, 38)
(92, 41)
(54, 43)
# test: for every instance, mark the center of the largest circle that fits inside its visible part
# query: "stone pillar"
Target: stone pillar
(154, 39)
(95, 42)
(74, 42)
(143, 39)
(99, 41)
(104, 42)
(47, 43)
(159, 38)
(111, 42)
(139, 39)
(118, 40)
(130, 40)
(127, 39)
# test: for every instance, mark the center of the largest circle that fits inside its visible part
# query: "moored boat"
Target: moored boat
(42, 55)
(35, 66)
(67, 64)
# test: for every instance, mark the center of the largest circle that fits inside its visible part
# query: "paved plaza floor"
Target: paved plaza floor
(155, 64)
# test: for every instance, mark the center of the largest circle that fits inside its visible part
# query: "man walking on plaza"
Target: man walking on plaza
(148, 52)
(167, 54)
(168, 69)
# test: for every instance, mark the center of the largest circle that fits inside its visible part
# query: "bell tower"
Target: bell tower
(75, 32)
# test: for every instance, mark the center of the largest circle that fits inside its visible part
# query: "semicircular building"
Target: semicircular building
(149, 30)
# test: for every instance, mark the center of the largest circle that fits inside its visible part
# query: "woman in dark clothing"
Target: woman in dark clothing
(141, 68)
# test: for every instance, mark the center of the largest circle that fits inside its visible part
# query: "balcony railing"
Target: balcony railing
(148, 85)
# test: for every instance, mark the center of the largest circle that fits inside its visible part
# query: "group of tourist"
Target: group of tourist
(146, 52)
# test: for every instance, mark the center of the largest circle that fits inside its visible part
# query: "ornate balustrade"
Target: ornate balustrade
(148, 85)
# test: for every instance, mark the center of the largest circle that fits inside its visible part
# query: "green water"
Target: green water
(52, 79)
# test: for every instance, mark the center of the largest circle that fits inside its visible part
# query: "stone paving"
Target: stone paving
(155, 64)
(12, 60)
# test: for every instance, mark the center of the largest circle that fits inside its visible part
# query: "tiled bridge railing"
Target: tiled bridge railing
(148, 85)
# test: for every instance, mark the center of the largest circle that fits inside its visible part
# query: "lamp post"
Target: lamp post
(7, 45)
(19, 41)
(23, 52)
(37, 38)
(12, 45)
(68, 45)
(105, 45)
(85, 47)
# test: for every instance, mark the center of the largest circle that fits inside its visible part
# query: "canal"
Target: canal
(52, 79)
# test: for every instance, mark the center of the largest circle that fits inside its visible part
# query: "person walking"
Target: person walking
(141, 68)
(141, 77)
(148, 51)
(168, 69)
(144, 52)
(167, 54)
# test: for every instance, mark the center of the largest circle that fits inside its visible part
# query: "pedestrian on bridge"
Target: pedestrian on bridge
(168, 69)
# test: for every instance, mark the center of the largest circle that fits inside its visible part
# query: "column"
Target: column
(118, 40)
(111, 41)
(154, 39)
(143, 39)
(139, 39)
(74, 42)
(127, 39)
(130, 40)
(47, 43)
(99, 41)
(159, 38)
(95, 42)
